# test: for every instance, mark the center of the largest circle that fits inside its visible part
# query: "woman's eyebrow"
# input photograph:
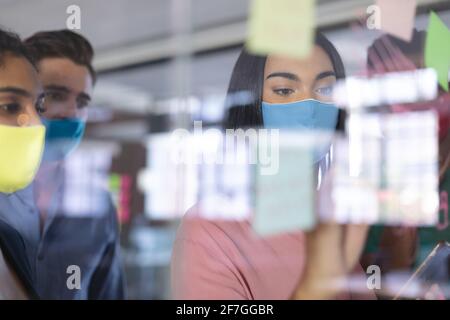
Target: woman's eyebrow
(16, 91)
(286, 75)
(325, 74)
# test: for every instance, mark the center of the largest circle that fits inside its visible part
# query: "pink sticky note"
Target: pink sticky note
(397, 17)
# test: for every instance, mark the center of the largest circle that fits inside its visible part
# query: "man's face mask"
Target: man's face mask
(305, 114)
(62, 137)
(22, 149)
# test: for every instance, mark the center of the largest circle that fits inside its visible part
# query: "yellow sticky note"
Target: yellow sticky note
(437, 49)
(284, 27)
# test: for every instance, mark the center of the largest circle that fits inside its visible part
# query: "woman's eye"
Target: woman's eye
(283, 91)
(325, 91)
(11, 108)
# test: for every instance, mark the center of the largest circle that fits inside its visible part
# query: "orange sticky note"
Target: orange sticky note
(397, 17)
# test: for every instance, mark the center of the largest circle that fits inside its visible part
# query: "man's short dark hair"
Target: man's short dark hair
(62, 44)
(11, 43)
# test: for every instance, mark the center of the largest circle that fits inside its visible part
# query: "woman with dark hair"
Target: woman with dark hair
(226, 259)
(21, 145)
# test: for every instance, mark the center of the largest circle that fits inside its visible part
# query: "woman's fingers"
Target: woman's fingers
(355, 236)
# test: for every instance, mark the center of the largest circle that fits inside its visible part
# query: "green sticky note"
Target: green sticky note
(283, 27)
(437, 49)
(114, 181)
(284, 199)
(398, 25)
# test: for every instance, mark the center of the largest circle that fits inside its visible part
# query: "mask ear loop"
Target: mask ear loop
(23, 120)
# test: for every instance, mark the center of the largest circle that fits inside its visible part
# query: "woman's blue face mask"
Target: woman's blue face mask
(305, 114)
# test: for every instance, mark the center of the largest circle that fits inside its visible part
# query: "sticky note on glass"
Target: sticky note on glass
(284, 199)
(397, 17)
(437, 49)
(283, 27)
